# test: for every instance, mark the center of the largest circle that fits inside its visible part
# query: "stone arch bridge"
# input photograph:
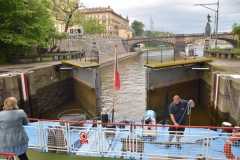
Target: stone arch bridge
(178, 41)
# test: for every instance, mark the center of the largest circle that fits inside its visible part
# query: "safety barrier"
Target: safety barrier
(127, 140)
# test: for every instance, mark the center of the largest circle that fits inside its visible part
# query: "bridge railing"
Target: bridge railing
(222, 54)
(180, 35)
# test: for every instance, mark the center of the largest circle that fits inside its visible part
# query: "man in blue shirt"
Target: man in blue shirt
(177, 111)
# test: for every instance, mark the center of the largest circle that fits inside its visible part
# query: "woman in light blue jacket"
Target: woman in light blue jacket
(13, 137)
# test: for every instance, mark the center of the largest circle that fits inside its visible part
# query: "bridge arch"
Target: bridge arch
(229, 40)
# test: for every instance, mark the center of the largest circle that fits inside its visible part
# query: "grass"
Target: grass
(45, 59)
(37, 155)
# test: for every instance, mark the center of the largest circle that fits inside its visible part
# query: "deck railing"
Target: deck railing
(128, 140)
(10, 156)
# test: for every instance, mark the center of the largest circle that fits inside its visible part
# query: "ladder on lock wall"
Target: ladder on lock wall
(231, 98)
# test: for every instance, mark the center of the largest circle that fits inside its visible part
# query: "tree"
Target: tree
(236, 32)
(137, 27)
(92, 26)
(56, 37)
(24, 23)
(68, 12)
(156, 43)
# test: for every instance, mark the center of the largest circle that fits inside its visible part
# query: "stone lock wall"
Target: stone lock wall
(53, 88)
(47, 87)
(9, 87)
(224, 111)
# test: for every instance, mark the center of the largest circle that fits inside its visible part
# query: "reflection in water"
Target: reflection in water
(130, 99)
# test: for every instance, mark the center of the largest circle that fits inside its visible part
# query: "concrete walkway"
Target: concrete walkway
(105, 61)
(226, 65)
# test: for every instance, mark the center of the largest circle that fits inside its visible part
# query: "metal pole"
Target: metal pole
(161, 55)
(174, 54)
(194, 52)
(217, 25)
(147, 56)
(68, 44)
(186, 54)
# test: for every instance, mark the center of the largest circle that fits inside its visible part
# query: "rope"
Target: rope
(189, 109)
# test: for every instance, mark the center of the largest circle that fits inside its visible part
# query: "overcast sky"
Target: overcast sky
(175, 16)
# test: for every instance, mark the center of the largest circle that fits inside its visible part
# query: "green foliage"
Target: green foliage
(236, 32)
(215, 48)
(156, 43)
(55, 37)
(23, 23)
(68, 12)
(235, 49)
(137, 27)
(92, 26)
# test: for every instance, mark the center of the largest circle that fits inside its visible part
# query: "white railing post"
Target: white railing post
(41, 136)
(99, 138)
(68, 137)
(208, 136)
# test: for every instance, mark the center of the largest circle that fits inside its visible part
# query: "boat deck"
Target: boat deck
(126, 141)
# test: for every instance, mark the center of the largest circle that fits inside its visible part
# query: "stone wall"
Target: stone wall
(53, 88)
(9, 87)
(104, 46)
(52, 96)
(224, 111)
(47, 87)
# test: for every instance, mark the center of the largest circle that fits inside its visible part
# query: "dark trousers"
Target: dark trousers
(22, 156)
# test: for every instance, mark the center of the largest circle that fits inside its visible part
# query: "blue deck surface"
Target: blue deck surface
(112, 145)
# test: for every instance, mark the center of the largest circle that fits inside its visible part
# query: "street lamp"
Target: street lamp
(216, 12)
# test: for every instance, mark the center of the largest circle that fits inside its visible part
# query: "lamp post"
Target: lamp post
(68, 44)
(216, 12)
